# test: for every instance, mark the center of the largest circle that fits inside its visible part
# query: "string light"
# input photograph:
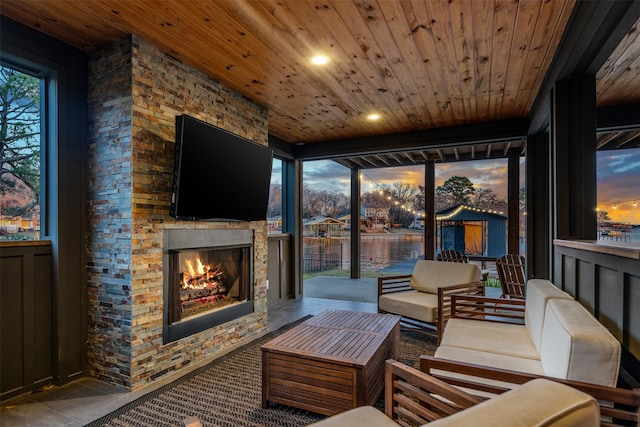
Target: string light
(384, 192)
(396, 204)
(456, 211)
(615, 204)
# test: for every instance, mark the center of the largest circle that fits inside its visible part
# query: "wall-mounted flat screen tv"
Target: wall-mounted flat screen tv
(218, 176)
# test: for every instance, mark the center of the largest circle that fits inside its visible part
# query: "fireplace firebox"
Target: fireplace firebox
(208, 277)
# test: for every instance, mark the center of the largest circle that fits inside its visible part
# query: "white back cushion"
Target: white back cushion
(429, 275)
(539, 291)
(576, 346)
(536, 403)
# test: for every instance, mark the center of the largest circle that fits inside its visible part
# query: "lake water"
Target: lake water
(383, 250)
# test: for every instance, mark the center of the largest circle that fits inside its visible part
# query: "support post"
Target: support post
(573, 127)
(429, 210)
(513, 202)
(355, 223)
(538, 184)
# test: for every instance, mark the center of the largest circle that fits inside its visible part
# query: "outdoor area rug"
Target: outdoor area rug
(228, 392)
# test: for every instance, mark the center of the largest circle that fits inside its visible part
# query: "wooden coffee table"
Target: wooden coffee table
(331, 362)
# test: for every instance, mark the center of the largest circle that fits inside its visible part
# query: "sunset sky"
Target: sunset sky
(618, 179)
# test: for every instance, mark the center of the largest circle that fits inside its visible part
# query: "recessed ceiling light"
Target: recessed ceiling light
(373, 117)
(319, 60)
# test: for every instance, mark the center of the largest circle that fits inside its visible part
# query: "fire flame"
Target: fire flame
(199, 270)
(201, 275)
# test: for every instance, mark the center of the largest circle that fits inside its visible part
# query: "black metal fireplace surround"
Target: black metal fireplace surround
(208, 279)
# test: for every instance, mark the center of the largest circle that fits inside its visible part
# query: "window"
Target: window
(20, 171)
(618, 195)
(274, 209)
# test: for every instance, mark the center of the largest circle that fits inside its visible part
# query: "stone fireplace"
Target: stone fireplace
(135, 91)
(207, 279)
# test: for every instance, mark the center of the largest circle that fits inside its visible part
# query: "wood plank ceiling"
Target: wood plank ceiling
(419, 64)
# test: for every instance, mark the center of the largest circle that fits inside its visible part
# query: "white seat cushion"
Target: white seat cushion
(430, 275)
(493, 360)
(576, 346)
(358, 417)
(415, 304)
(538, 403)
(501, 338)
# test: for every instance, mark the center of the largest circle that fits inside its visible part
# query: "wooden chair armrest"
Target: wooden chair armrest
(444, 301)
(390, 284)
(419, 397)
(617, 406)
(499, 310)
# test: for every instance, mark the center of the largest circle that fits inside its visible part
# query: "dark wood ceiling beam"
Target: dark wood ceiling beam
(346, 163)
(618, 118)
(626, 140)
(437, 156)
(603, 140)
(281, 148)
(506, 149)
(592, 34)
(408, 156)
(396, 158)
(371, 162)
(480, 133)
(381, 159)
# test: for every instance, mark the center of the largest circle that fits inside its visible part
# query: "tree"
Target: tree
(457, 189)
(19, 140)
(323, 203)
(274, 207)
(403, 199)
(486, 198)
(603, 216)
(376, 199)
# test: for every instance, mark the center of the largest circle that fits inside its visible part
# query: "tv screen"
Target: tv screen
(218, 176)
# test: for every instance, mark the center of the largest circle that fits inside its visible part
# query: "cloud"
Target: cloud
(326, 175)
(618, 182)
(618, 178)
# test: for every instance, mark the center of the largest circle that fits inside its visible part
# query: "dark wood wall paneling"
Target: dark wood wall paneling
(279, 268)
(609, 287)
(65, 188)
(25, 318)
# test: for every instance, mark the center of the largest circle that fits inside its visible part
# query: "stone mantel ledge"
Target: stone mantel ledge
(622, 249)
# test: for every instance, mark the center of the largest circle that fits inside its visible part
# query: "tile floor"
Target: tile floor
(88, 399)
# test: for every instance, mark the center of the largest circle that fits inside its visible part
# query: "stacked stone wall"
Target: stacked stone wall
(138, 90)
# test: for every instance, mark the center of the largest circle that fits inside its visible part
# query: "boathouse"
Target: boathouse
(472, 231)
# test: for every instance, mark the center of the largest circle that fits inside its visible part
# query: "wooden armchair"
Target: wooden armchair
(618, 407)
(510, 270)
(414, 398)
(451, 255)
(423, 298)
